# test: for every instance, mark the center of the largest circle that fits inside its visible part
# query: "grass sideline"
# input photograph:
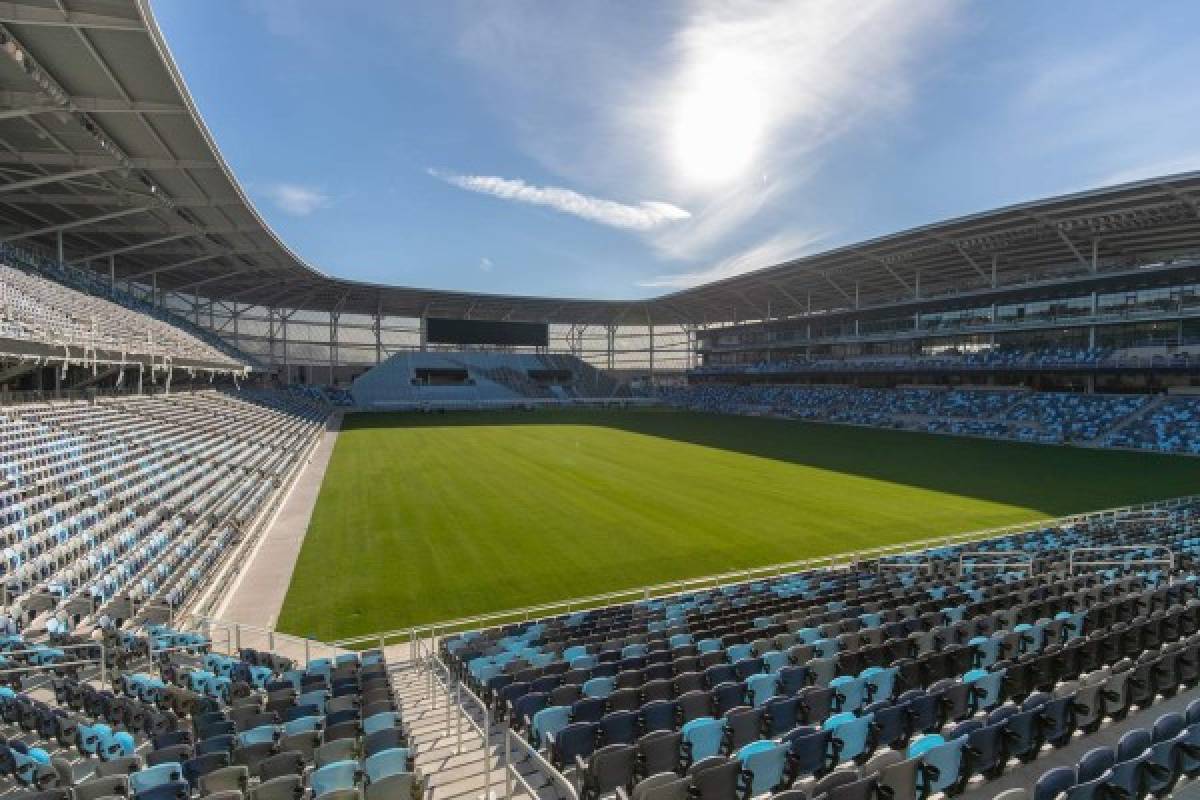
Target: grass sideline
(428, 517)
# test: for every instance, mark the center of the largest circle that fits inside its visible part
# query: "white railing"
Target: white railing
(999, 559)
(453, 691)
(79, 661)
(514, 403)
(1073, 560)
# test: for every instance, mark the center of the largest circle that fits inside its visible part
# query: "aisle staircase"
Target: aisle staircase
(449, 747)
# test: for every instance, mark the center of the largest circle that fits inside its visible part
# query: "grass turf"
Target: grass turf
(430, 517)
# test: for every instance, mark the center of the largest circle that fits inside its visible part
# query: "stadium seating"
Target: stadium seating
(1132, 421)
(180, 721)
(125, 504)
(992, 359)
(1172, 426)
(47, 302)
(480, 380)
(918, 677)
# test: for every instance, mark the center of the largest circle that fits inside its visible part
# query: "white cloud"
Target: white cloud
(760, 92)
(777, 249)
(726, 106)
(485, 264)
(641, 217)
(296, 199)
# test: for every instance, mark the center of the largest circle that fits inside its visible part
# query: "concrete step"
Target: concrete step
(457, 761)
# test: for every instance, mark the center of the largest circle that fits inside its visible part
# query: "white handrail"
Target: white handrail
(1072, 562)
(1018, 558)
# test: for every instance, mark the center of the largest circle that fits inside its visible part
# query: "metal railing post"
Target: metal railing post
(505, 765)
(487, 752)
(458, 714)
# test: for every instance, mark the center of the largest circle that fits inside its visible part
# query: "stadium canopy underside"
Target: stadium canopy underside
(108, 164)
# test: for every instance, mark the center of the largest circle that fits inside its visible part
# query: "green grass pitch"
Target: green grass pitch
(428, 517)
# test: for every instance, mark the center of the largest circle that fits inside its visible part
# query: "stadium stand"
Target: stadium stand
(180, 720)
(480, 380)
(126, 503)
(1130, 421)
(1170, 426)
(929, 678)
(936, 672)
(46, 301)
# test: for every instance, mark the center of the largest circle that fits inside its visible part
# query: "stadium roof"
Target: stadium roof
(100, 142)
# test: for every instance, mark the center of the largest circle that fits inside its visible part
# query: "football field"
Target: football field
(427, 517)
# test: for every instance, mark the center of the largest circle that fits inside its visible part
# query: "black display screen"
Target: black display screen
(477, 331)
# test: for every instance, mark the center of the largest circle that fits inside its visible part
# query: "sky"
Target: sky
(622, 149)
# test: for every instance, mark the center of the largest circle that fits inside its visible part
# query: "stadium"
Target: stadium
(898, 519)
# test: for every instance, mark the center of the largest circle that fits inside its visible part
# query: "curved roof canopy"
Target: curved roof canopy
(100, 142)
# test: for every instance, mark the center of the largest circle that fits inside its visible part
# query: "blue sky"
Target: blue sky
(620, 149)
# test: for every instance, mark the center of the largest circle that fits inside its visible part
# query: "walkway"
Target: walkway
(257, 595)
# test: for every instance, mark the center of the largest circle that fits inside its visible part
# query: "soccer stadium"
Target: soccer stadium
(907, 514)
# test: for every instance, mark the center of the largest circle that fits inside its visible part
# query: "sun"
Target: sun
(718, 122)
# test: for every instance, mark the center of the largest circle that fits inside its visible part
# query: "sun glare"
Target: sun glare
(718, 123)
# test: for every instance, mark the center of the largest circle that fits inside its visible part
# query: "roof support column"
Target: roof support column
(271, 335)
(236, 314)
(334, 319)
(423, 333)
(611, 337)
(917, 286)
(376, 324)
(287, 368)
(58, 247)
(1095, 256)
(995, 268)
(112, 272)
(651, 354)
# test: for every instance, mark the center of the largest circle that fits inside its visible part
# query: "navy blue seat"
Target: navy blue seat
(1053, 783)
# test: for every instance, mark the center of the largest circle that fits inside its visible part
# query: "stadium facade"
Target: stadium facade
(111, 169)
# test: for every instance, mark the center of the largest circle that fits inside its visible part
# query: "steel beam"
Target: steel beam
(55, 178)
(78, 223)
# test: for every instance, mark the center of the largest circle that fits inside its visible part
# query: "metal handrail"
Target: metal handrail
(101, 662)
(1072, 563)
(1020, 557)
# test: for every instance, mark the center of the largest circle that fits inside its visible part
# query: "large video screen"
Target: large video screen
(475, 331)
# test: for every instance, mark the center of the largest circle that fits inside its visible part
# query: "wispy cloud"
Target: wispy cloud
(761, 92)
(641, 217)
(777, 249)
(297, 199)
(728, 107)
(486, 265)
